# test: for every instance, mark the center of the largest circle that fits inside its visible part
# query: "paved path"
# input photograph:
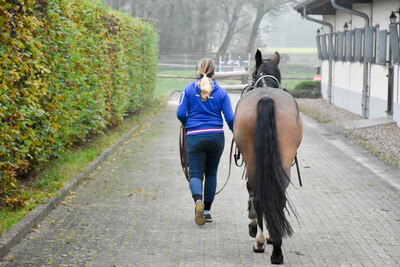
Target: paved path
(136, 210)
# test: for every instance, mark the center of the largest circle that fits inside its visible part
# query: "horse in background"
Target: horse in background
(267, 130)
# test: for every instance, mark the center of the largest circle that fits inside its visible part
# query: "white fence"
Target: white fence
(226, 62)
(233, 67)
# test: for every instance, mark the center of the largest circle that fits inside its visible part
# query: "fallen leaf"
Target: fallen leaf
(6, 258)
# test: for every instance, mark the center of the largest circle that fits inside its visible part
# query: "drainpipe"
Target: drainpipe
(330, 50)
(365, 97)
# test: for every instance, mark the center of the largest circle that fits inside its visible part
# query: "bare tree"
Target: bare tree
(202, 25)
(264, 7)
(188, 24)
(232, 22)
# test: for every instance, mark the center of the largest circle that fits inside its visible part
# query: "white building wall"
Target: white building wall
(378, 81)
(397, 84)
(325, 78)
(347, 85)
(382, 11)
(396, 95)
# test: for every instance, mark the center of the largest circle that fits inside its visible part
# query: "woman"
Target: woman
(199, 110)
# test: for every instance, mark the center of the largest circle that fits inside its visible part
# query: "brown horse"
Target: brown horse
(268, 129)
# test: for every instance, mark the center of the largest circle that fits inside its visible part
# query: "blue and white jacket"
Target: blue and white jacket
(204, 117)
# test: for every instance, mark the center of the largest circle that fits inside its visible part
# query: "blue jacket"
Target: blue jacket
(204, 117)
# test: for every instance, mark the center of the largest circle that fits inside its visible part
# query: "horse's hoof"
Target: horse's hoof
(253, 229)
(258, 248)
(277, 260)
(277, 257)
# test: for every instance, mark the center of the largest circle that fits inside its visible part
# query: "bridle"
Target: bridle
(264, 83)
(254, 83)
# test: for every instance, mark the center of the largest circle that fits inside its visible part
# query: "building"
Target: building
(359, 48)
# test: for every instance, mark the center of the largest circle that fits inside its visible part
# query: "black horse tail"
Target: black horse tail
(270, 192)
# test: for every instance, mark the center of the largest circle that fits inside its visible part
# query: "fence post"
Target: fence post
(248, 62)
(219, 63)
(185, 60)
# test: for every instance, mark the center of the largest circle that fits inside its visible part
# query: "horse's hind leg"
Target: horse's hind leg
(252, 214)
(253, 218)
(277, 256)
(259, 244)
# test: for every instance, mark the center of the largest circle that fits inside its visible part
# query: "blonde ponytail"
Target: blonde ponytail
(205, 86)
(206, 69)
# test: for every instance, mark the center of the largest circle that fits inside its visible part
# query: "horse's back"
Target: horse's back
(284, 102)
(286, 109)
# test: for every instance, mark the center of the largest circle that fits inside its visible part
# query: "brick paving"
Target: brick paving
(135, 209)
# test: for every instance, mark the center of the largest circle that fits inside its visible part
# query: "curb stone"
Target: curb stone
(14, 235)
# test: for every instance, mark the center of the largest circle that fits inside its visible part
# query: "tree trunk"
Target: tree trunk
(188, 24)
(256, 25)
(231, 29)
(201, 40)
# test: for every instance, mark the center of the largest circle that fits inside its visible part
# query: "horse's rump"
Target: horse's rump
(288, 124)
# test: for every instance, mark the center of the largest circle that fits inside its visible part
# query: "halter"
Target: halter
(264, 83)
(252, 85)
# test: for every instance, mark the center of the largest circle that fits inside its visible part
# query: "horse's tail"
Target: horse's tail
(270, 197)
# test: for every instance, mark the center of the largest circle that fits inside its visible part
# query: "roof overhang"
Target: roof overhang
(324, 7)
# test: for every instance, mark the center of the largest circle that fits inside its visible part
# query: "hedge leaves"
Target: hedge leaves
(69, 69)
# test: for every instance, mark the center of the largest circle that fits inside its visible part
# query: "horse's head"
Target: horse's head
(264, 69)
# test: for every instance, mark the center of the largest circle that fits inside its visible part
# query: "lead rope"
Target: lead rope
(182, 152)
(230, 166)
(298, 170)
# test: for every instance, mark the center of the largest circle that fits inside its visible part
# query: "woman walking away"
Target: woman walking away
(199, 110)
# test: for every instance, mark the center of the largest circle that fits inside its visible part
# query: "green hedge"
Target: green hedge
(69, 69)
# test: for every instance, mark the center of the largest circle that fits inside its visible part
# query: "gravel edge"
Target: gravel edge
(382, 141)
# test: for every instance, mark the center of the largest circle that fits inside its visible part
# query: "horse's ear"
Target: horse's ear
(258, 58)
(276, 58)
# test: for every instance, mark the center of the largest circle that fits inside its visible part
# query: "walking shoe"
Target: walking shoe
(199, 217)
(208, 217)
